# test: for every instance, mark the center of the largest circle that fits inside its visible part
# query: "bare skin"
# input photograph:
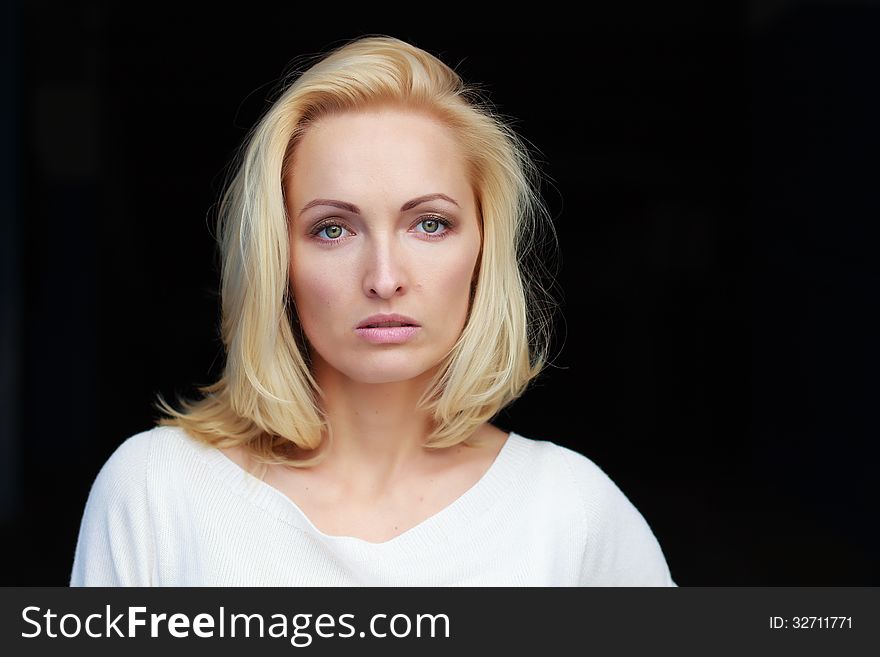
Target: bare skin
(428, 489)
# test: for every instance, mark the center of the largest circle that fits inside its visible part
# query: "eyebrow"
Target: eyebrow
(409, 205)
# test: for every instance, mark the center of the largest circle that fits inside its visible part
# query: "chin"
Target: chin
(385, 374)
(380, 377)
(386, 368)
(401, 364)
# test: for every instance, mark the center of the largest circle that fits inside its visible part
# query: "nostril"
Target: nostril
(377, 293)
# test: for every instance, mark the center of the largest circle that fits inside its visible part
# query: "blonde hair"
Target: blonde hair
(267, 397)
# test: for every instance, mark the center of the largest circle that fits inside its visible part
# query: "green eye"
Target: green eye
(434, 226)
(332, 231)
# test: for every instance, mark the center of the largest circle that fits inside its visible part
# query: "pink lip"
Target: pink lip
(382, 318)
(388, 334)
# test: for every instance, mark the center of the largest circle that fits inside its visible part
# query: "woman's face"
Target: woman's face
(383, 221)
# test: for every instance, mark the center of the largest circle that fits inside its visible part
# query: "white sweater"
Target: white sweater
(167, 510)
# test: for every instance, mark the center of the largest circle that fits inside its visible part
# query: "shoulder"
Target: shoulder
(130, 464)
(566, 466)
(131, 506)
(619, 546)
(137, 450)
(561, 480)
(600, 499)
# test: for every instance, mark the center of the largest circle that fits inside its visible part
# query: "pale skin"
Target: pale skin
(407, 241)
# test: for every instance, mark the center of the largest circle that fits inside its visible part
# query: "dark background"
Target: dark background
(712, 174)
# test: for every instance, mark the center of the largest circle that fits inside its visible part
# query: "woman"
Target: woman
(376, 315)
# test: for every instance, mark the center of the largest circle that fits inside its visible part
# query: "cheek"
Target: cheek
(315, 291)
(454, 282)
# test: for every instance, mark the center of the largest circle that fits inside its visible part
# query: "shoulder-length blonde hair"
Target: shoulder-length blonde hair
(267, 397)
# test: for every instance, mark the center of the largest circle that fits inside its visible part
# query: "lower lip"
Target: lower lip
(388, 334)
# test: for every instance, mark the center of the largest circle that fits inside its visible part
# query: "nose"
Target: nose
(385, 271)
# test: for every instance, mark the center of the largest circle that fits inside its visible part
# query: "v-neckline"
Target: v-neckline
(447, 520)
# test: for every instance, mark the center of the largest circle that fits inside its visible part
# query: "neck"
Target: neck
(377, 430)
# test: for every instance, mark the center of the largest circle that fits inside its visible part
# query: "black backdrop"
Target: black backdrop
(710, 178)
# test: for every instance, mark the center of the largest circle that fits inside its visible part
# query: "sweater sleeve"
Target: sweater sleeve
(114, 547)
(620, 549)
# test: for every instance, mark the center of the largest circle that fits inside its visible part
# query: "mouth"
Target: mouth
(387, 320)
(386, 324)
(388, 329)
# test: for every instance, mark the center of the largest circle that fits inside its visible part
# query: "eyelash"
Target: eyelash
(428, 217)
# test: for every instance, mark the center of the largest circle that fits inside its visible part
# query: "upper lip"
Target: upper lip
(381, 319)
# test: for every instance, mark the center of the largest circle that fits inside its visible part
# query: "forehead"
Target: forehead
(383, 150)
